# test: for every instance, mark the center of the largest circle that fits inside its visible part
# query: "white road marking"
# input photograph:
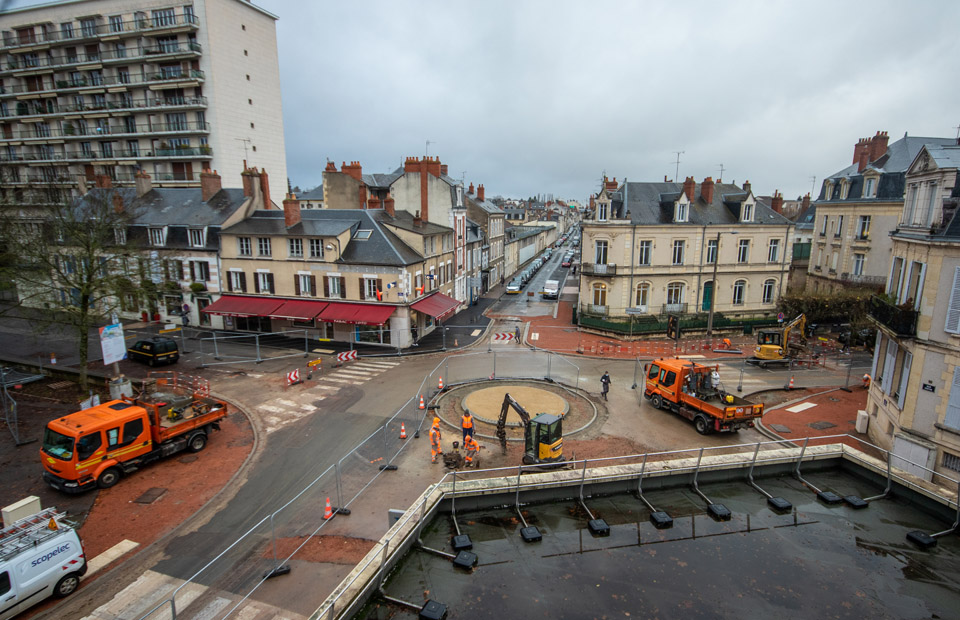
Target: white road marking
(271, 408)
(476, 333)
(212, 609)
(110, 555)
(355, 373)
(801, 407)
(335, 380)
(288, 403)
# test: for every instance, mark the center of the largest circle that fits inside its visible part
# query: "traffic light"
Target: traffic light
(673, 327)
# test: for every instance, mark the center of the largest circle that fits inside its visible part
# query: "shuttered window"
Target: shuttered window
(904, 376)
(889, 365)
(952, 419)
(953, 312)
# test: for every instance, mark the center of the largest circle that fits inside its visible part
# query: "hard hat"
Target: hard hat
(436, 421)
(729, 398)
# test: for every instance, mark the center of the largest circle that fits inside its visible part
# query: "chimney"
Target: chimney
(776, 203)
(331, 167)
(388, 206)
(291, 210)
(470, 189)
(443, 169)
(665, 179)
(209, 185)
(373, 203)
(103, 181)
(411, 164)
(417, 220)
(864, 158)
(706, 190)
(878, 145)
(362, 197)
(354, 170)
(806, 203)
(688, 186)
(143, 183)
(433, 166)
(746, 186)
(480, 192)
(861, 146)
(247, 178)
(117, 202)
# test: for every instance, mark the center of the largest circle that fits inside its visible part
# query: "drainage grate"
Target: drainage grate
(780, 428)
(60, 385)
(188, 458)
(151, 495)
(821, 426)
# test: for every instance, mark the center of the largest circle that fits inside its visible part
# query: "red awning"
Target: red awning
(359, 314)
(298, 309)
(437, 305)
(230, 305)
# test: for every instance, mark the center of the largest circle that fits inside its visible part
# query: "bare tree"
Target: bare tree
(68, 259)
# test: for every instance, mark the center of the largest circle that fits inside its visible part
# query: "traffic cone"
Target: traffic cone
(422, 405)
(328, 511)
(790, 385)
(403, 431)
(440, 384)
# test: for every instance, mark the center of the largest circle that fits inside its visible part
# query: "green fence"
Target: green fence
(646, 325)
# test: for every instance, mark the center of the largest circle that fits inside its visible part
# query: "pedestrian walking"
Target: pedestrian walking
(435, 441)
(466, 423)
(605, 384)
(516, 334)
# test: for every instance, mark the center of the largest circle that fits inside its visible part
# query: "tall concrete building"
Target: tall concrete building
(97, 89)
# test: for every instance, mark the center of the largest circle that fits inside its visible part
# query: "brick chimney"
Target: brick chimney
(291, 210)
(103, 181)
(746, 186)
(362, 197)
(247, 177)
(443, 169)
(864, 158)
(265, 189)
(470, 189)
(411, 164)
(417, 220)
(860, 147)
(878, 145)
(480, 192)
(117, 202)
(806, 202)
(776, 203)
(389, 206)
(706, 190)
(688, 186)
(143, 183)
(331, 167)
(373, 203)
(209, 185)
(354, 169)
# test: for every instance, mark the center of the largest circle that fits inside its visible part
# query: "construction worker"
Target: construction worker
(866, 381)
(466, 424)
(472, 448)
(435, 441)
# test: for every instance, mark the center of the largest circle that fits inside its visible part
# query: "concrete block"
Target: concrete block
(779, 504)
(461, 542)
(531, 534)
(719, 512)
(599, 527)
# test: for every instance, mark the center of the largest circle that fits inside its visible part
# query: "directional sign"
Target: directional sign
(503, 336)
(316, 362)
(293, 377)
(346, 356)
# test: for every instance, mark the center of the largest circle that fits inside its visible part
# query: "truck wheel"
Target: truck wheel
(656, 401)
(66, 585)
(108, 478)
(197, 443)
(700, 423)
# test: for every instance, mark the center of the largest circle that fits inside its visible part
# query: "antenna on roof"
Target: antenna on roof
(676, 174)
(720, 178)
(245, 142)
(426, 150)
(813, 184)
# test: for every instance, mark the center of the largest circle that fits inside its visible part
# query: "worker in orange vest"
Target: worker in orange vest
(435, 439)
(466, 424)
(472, 447)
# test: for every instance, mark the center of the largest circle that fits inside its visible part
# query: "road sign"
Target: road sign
(636, 310)
(780, 317)
(346, 356)
(316, 362)
(293, 377)
(503, 337)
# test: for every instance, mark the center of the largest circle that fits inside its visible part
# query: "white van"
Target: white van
(551, 290)
(40, 556)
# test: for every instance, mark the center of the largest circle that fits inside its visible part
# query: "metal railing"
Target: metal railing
(88, 31)
(902, 320)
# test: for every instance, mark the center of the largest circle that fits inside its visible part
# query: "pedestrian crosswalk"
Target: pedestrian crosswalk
(302, 401)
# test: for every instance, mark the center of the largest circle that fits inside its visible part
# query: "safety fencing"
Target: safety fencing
(368, 577)
(267, 547)
(221, 348)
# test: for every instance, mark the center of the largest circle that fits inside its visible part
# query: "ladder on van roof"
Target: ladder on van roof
(30, 532)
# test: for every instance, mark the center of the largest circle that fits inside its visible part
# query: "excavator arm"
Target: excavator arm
(509, 402)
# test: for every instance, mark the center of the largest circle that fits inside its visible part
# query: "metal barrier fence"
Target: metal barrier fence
(233, 348)
(389, 550)
(267, 547)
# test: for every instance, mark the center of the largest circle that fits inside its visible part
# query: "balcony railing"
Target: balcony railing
(55, 61)
(85, 155)
(594, 309)
(674, 308)
(596, 269)
(50, 86)
(32, 109)
(862, 280)
(71, 131)
(902, 320)
(144, 24)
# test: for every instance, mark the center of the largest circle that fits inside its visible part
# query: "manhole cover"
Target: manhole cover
(834, 400)
(821, 426)
(188, 458)
(780, 428)
(151, 495)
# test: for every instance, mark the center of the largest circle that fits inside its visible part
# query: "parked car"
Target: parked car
(153, 351)
(513, 288)
(551, 290)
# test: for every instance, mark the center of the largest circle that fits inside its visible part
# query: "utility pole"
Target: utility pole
(676, 174)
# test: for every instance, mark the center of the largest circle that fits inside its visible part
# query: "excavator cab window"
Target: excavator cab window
(772, 338)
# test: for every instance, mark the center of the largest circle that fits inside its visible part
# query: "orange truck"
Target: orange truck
(99, 445)
(695, 392)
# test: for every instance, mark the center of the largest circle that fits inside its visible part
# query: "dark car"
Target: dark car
(156, 350)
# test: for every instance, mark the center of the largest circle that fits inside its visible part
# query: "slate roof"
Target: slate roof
(652, 204)
(382, 181)
(807, 219)
(404, 221)
(486, 205)
(182, 206)
(474, 232)
(946, 156)
(314, 194)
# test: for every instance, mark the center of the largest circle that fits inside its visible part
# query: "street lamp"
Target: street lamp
(713, 285)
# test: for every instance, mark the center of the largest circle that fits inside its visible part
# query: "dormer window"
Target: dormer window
(870, 187)
(827, 190)
(680, 214)
(196, 238)
(844, 189)
(601, 212)
(157, 236)
(746, 213)
(362, 234)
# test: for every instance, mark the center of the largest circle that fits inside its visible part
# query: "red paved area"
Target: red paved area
(831, 406)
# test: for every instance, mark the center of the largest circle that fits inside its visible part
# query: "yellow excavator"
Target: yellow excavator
(543, 435)
(778, 346)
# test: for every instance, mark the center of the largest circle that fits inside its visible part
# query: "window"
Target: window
(681, 215)
(199, 271)
(858, 260)
(362, 234)
(952, 417)
(601, 212)
(952, 324)
(132, 430)
(120, 235)
(370, 288)
(334, 287)
(863, 226)
(600, 254)
(196, 237)
(911, 204)
(295, 248)
(173, 270)
(678, 246)
(870, 188)
(133, 148)
(675, 296)
(743, 251)
(599, 294)
(168, 44)
(237, 281)
(305, 284)
(773, 251)
(769, 289)
(839, 231)
(823, 227)
(88, 27)
(164, 17)
(833, 262)
(121, 52)
(951, 461)
(156, 236)
(66, 30)
(738, 289)
(931, 204)
(746, 214)
(316, 248)
(642, 297)
(844, 189)
(88, 445)
(244, 247)
(263, 246)
(264, 282)
(116, 23)
(712, 251)
(643, 252)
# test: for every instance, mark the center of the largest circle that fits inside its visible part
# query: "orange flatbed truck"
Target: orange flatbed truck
(99, 445)
(695, 392)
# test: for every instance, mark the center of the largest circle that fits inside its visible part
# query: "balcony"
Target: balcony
(146, 25)
(680, 308)
(859, 280)
(156, 53)
(596, 269)
(70, 131)
(899, 319)
(594, 309)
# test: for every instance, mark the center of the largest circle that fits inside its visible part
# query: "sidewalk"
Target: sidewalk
(816, 412)
(462, 329)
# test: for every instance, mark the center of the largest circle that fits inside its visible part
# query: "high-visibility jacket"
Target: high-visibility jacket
(467, 421)
(434, 434)
(471, 444)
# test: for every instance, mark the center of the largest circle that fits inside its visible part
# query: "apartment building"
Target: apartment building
(493, 221)
(96, 88)
(914, 399)
(857, 209)
(658, 248)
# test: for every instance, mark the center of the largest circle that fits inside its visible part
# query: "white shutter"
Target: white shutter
(876, 357)
(919, 295)
(904, 376)
(889, 363)
(952, 324)
(952, 418)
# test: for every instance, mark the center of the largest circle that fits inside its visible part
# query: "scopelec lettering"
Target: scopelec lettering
(55, 552)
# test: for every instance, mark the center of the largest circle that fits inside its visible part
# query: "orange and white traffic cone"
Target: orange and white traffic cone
(422, 405)
(403, 431)
(440, 384)
(790, 385)
(328, 511)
